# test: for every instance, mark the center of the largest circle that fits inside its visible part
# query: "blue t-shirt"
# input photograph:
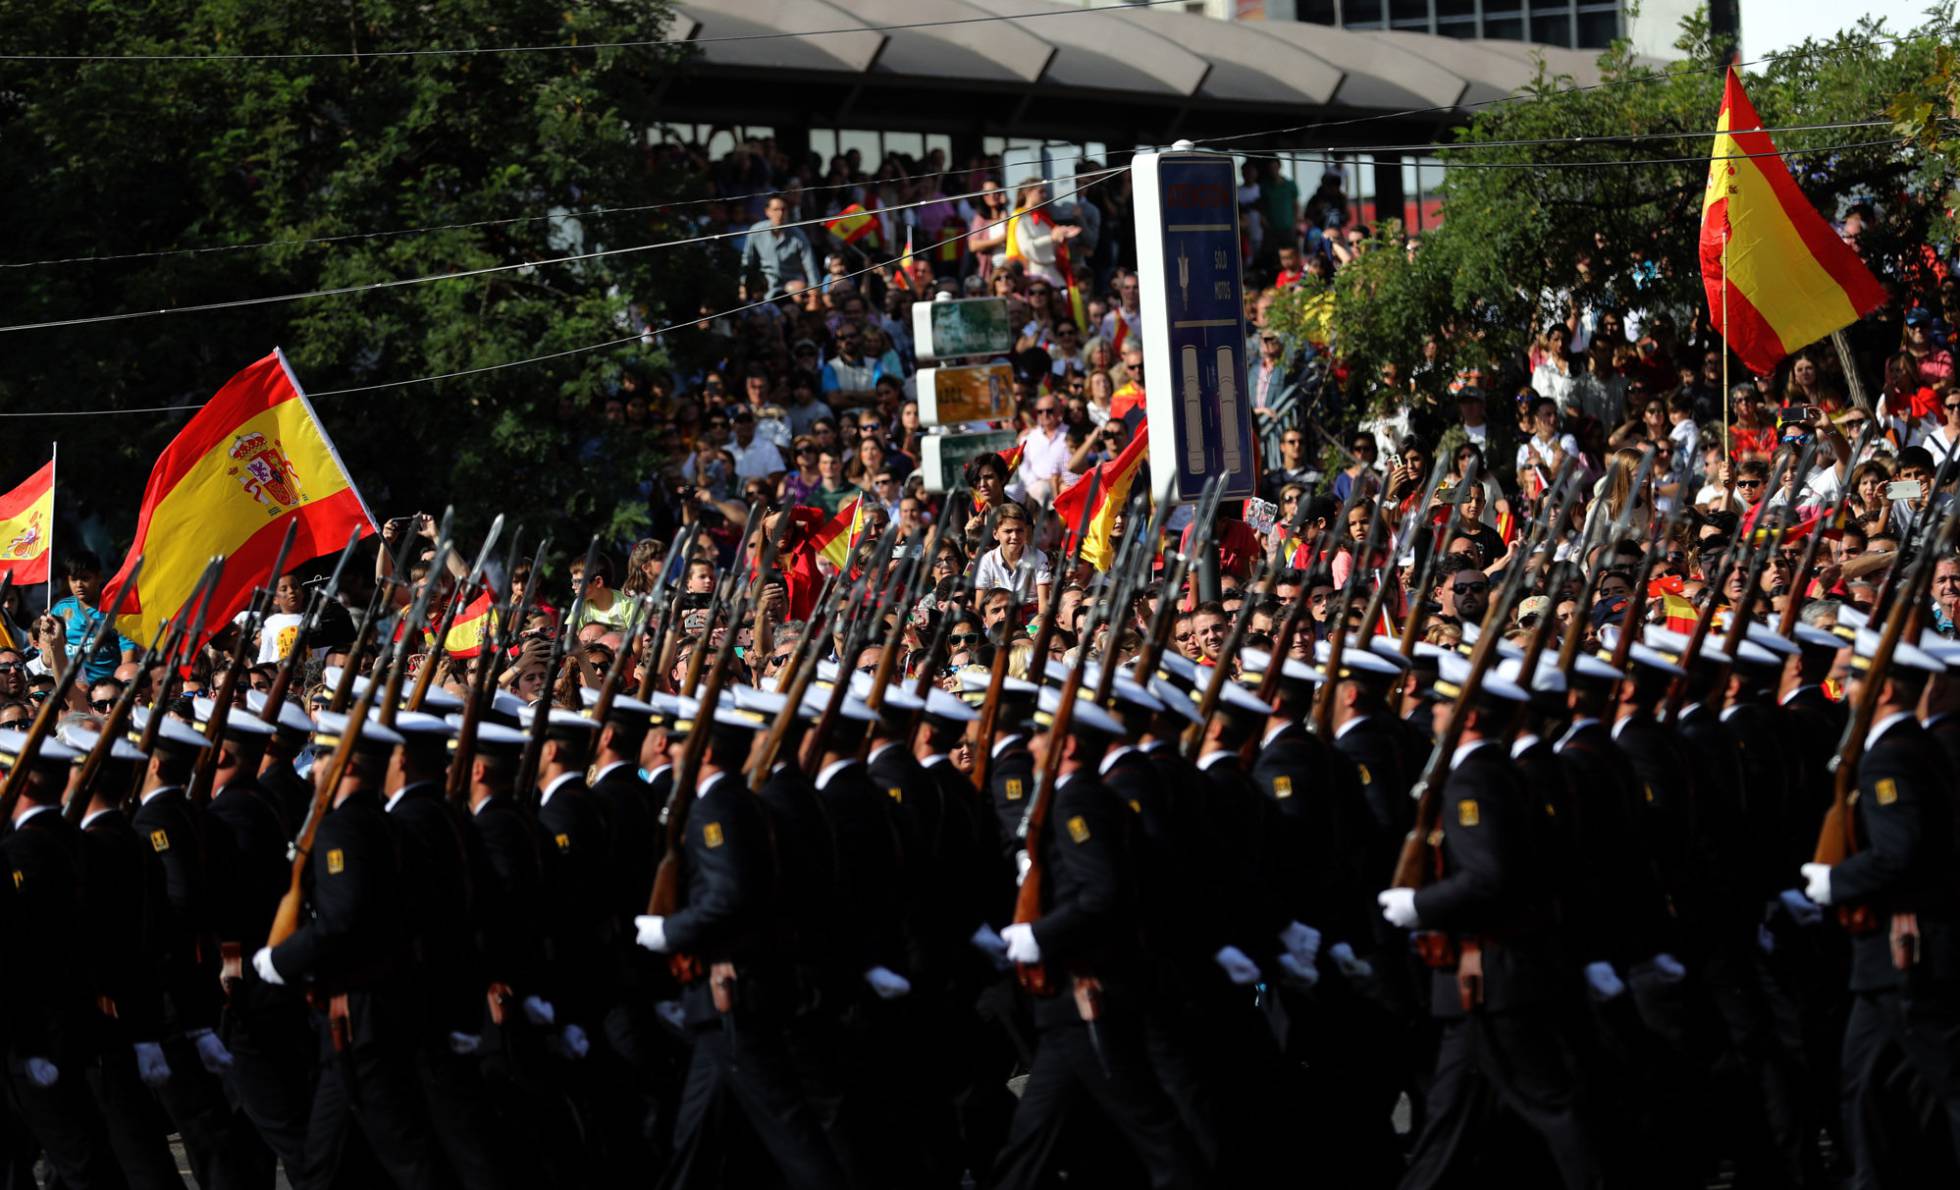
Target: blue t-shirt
(81, 620)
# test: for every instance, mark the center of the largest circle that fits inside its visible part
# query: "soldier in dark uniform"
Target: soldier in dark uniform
(53, 1025)
(352, 952)
(265, 1027)
(1085, 937)
(576, 877)
(1483, 909)
(291, 794)
(1010, 776)
(439, 882)
(739, 991)
(124, 889)
(202, 873)
(1897, 891)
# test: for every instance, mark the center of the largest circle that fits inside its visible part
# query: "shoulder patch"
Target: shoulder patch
(336, 861)
(564, 842)
(1649, 790)
(1078, 829)
(1013, 789)
(18, 878)
(1366, 779)
(1282, 787)
(1467, 813)
(1136, 807)
(159, 840)
(1886, 791)
(896, 793)
(711, 835)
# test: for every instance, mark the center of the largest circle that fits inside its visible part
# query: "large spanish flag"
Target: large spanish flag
(1112, 493)
(254, 458)
(1789, 279)
(27, 528)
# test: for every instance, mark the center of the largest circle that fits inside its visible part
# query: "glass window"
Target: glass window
(1465, 27)
(941, 142)
(1318, 12)
(912, 144)
(1356, 11)
(1554, 28)
(866, 144)
(1598, 29)
(823, 143)
(1409, 12)
(1507, 28)
(1456, 8)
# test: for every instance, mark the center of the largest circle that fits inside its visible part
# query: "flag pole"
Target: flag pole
(54, 457)
(1725, 336)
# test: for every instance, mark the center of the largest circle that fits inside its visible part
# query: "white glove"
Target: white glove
(988, 942)
(1398, 906)
(1802, 909)
(151, 1066)
(1022, 862)
(1302, 942)
(1670, 967)
(262, 963)
(211, 1051)
(1351, 965)
(1021, 946)
(1238, 968)
(41, 1072)
(1817, 883)
(672, 1012)
(539, 1012)
(463, 1044)
(572, 1043)
(651, 932)
(889, 984)
(1293, 970)
(1604, 982)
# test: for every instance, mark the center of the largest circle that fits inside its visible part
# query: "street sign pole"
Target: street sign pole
(1187, 220)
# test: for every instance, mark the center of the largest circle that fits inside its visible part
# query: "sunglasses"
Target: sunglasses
(1748, 483)
(15, 723)
(8, 667)
(781, 659)
(962, 638)
(1469, 588)
(1046, 412)
(104, 705)
(38, 695)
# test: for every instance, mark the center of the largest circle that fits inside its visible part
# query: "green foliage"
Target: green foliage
(118, 157)
(1524, 227)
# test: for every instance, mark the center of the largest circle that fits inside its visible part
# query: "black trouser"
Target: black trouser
(64, 1120)
(224, 1148)
(272, 1047)
(460, 1115)
(1492, 1061)
(744, 1065)
(370, 1085)
(1068, 1074)
(137, 1126)
(1902, 1088)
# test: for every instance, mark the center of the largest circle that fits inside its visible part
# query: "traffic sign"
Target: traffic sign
(942, 456)
(975, 392)
(961, 326)
(1187, 220)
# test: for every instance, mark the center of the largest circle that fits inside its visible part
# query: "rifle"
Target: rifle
(803, 669)
(76, 807)
(489, 659)
(440, 649)
(1045, 628)
(199, 791)
(1541, 633)
(282, 681)
(1323, 703)
(407, 630)
(1426, 563)
(1171, 593)
(194, 608)
(853, 641)
(1831, 521)
(1117, 615)
(1411, 864)
(1575, 632)
(724, 597)
(1838, 836)
(1296, 610)
(52, 707)
(285, 921)
(664, 608)
(527, 767)
(343, 691)
(1027, 901)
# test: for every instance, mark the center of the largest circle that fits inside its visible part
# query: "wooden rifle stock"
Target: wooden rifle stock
(282, 679)
(803, 670)
(285, 921)
(199, 791)
(533, 755)
(1027, 900)
(1171, 594)
(82, 786)
(1323, 703)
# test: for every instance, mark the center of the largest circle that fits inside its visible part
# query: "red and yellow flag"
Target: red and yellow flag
(1789, 279)
(1679, 610)
(471, 628)
(838, 536)
(254, 458)
(853, 224)
(1112, 493)
(27, 528)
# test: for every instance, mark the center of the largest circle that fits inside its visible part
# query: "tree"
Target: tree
(112, 158)
(1529, 227)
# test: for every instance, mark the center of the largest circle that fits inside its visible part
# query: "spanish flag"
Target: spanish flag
(471, 628)
(1777, 276)
(853, 224)
(1679, 609)
(839, 535)
(253, 459)
(27, 528)
(1112, 493)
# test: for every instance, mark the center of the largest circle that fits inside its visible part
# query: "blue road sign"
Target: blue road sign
(1193, 298)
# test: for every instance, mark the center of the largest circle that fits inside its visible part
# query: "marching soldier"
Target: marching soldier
(1897, 892)
(1483, 925)
(352, 953)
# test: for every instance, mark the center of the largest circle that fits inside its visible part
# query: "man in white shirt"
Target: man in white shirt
(755, 458)
(1046, 452)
